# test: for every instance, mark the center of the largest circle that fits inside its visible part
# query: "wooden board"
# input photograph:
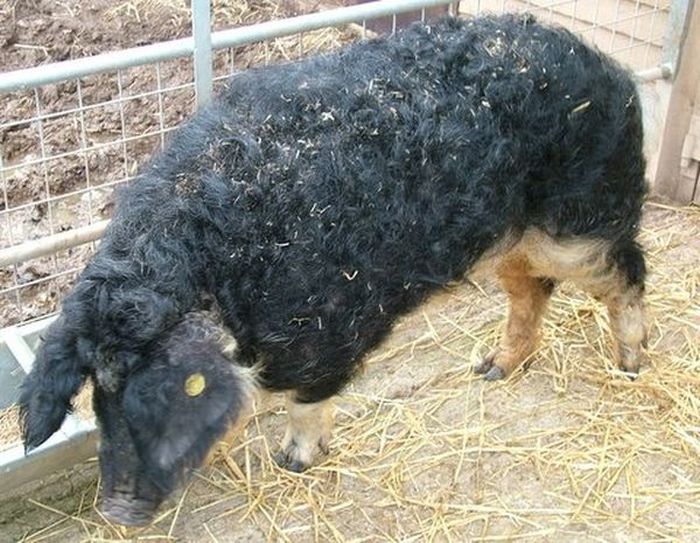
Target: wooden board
(668, 179)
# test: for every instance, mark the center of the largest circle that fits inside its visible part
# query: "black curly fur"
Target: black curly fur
(318, 201)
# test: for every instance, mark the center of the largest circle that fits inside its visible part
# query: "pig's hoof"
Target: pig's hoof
(488, 368)
(308, 432)
(283, 460)
(128, 511)
(630, 372)
(629, 361)
(298, 459)
(495, 374)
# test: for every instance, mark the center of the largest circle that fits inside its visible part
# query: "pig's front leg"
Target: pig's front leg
(308, 431)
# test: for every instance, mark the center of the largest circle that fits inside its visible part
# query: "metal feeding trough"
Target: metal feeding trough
(73, 443)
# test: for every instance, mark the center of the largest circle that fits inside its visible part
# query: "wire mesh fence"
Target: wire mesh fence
(630, 30)
(65, 148)
(66, 145)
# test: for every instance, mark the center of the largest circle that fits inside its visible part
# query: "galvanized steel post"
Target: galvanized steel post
(677, 24)
(201, 31)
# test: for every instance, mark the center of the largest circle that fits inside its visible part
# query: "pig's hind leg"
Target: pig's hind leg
(527, 297)
(622, 291)
(612, 272)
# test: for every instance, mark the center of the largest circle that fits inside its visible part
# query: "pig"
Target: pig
(283, 230)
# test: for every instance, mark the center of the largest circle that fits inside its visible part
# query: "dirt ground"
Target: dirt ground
(568, 450)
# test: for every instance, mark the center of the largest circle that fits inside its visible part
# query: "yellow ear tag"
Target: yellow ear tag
(195, 384)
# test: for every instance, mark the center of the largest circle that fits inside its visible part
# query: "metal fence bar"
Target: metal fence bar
(83, 146)
(42, 158)
(203, 69)
(122, 122)
(50, 244)
(674, 31)
(662, 71)
(161, 111)
(106, 62)
(647, 49)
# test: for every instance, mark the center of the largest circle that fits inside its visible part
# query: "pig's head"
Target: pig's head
(159, 409)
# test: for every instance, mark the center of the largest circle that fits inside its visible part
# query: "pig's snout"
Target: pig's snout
(127, 510)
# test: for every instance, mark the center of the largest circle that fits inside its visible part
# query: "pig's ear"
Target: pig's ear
(55, 378)
(181, 403)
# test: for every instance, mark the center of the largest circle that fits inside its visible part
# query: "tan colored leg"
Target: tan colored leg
(527, 298)
(620, 285)
(613, 273)
(308, 432)
(626, 312)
